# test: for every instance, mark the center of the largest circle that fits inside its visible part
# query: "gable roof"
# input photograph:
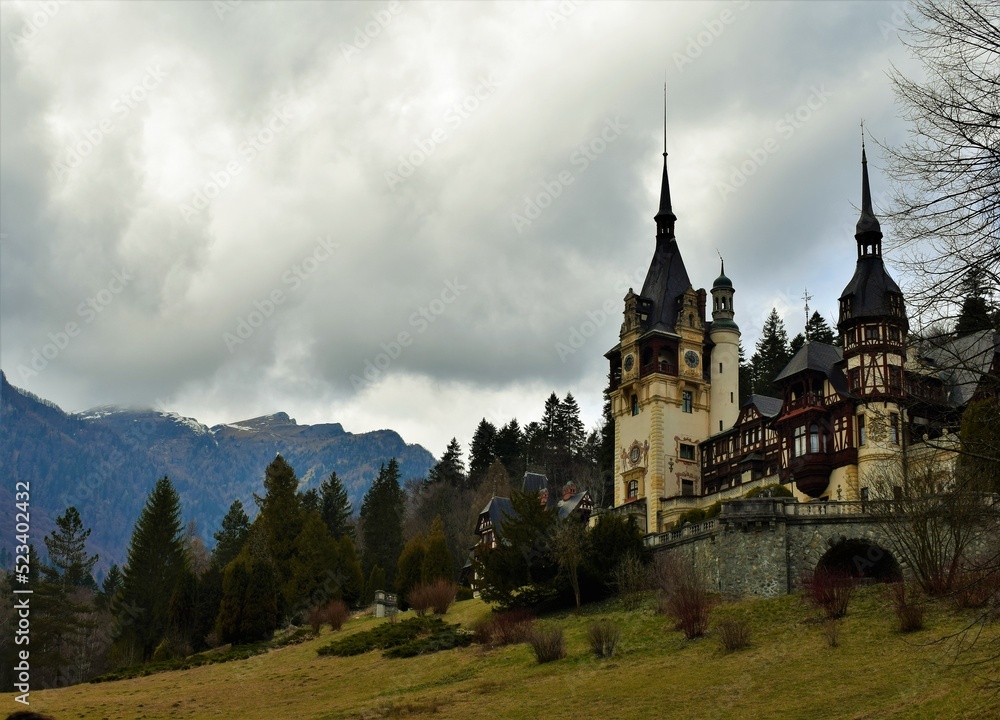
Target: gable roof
(815, 356)
(498, 510)
(961, 363)
(766, 405)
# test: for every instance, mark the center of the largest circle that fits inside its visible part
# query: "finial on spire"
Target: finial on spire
(665, 217)
(807, 297)
(868, 232)
(722, 262)
(664, 118)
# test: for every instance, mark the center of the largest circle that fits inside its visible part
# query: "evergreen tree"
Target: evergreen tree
(382, 513)
(68, 552)
(248, 611)
(606, 458)
(771, 357)
(309, 501)
(155, 559)
(376, 581)
(746, 377)
(229, 540)
(110, 587)
(335, 507)
(313, 565)
(482, 451)
(207, 606)
(977, 313)
(348, 573)
(182, 611)
(509, 448)
(450, 469)
(437, 563)
(409, 568)
(281, 520)
(817, 330)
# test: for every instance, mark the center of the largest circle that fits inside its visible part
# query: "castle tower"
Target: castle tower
(873, 328)
(660, 394)
(725, 358)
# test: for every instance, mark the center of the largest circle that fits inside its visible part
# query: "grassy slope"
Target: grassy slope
(789, 672)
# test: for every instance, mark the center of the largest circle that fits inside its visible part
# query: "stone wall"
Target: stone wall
(764, 546)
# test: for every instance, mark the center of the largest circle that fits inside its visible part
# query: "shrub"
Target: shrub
(975, 589)
(335, 614)
(770, 491)
(315, 618)
(384, 636)
(830, 590)
(437, 596)
(447, 639)
(831, 631)
(631, 578)
(603, 636)
(909, 614)
(682, 594)
(505, 628)
(547, 642)
(463, 593)
(734, 634)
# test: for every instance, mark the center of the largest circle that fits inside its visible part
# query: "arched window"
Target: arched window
(633, 490)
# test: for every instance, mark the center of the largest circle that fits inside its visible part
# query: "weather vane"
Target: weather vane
(807, 297)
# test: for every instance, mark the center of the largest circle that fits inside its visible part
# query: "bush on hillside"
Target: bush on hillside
(547, 643)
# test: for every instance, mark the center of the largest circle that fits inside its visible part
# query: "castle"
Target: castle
(683, 440)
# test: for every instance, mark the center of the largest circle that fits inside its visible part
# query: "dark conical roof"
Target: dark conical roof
(666, 280)
(665, 217)
(868, 229)
(868, 288)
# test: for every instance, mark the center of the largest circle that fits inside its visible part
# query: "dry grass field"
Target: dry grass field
(788, 672)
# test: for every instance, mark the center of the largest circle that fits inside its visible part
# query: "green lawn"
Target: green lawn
(788, 672)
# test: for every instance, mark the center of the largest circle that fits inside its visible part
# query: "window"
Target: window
(731, 400)
(635, 404)
(720, 426)
(633, 490)
(814, 438)
(687, 401)
(687, 487)
(894, 428)
(720, 368)
(895, 377)
(861, 430)
(864, 493)
(894, 334)
(854, 378)
(871, 332)
(687, 452)
(799, 441)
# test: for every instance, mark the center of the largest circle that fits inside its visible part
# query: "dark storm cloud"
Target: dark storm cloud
(395, 214)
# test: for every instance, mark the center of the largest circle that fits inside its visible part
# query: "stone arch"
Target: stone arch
(863, 558)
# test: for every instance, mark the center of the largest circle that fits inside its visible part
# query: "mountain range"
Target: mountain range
(104, 461)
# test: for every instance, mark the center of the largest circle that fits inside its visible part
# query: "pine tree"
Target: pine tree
(155, 559)
(437, 563)
(229, 540)
(281, 521)
(382, 513)
(313, 565)
(482, 451)
(817, 330)
(509, 447)
(746, 377)
(771, 357)
(376, 581)
(606, 458)
(348, 573)
(450, 469)
(110, 587)
(408, 570)
(68, 552)
(309, 501)
(335, 507)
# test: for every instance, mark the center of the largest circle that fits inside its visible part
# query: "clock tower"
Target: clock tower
(660, 382)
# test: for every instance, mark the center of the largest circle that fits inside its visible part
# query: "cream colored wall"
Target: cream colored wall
(725, 394)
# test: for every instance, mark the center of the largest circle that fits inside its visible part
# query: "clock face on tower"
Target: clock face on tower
(691, 358)
(629, 362)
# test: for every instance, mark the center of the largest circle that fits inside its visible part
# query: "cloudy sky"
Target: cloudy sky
(410, 215)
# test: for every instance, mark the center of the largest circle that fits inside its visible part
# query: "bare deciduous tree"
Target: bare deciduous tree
(946, 215)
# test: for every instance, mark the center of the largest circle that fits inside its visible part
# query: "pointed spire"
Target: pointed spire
(665, 218)
(868, 232)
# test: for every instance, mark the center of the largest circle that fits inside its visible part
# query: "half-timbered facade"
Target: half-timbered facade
(683, 441)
